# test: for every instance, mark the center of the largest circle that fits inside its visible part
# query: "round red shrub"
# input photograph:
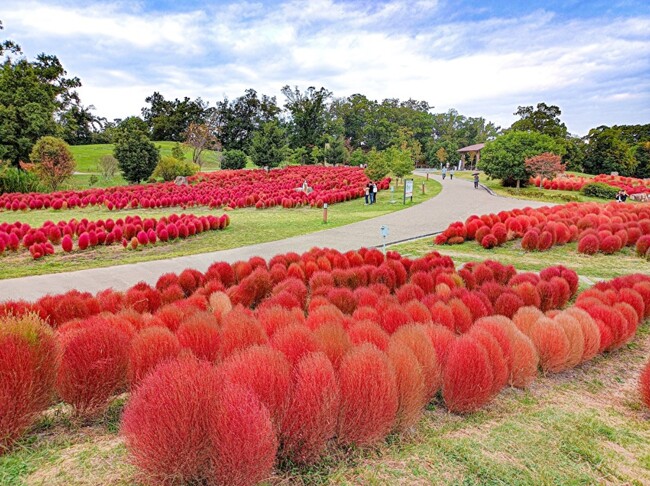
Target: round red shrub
(294, 341)
(588, 244)
(266, 372)
(240, 331)
(642, 245)
(201, 336)
(365, 331)
(165, 422)
(489, 241)
(93, 367)
(369, 399)
(610, 244)
(467, 381)
(545, 241)
(416, 338)
(573, 330)
(500, 372)
(333, 341)
(310, 421)
(151, 347)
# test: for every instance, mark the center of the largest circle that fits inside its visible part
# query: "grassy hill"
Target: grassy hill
(87, 156)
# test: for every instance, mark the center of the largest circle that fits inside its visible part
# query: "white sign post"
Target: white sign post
(408, 189)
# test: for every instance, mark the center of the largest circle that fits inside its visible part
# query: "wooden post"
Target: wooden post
(423, 188)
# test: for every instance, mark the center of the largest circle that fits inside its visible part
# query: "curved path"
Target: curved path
(457, 200)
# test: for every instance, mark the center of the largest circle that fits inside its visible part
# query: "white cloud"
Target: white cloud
(590, 67)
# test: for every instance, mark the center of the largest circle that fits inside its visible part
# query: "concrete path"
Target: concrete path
(457, 200)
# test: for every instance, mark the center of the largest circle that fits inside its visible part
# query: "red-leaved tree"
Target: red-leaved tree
(545, 165)
(52, 161)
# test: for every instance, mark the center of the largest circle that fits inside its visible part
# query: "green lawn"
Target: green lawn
(249, 226)
(87, 156)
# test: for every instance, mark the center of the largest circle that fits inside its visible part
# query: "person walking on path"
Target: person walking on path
(444, 173)
(475, 180)
(451, 174)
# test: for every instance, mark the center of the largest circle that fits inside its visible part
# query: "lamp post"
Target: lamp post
(325, 213)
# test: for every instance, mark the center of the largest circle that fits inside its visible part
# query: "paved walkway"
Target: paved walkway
(457, 200)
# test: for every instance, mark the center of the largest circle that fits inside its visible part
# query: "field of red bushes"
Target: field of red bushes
(255, 362)
(224, 188)
(131, 232)
(569, 182)
(605, 228)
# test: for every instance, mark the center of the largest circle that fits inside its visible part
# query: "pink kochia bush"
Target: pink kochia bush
(248, 363)
(607, 228)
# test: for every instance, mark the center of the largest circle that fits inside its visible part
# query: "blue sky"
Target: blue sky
(482, 58)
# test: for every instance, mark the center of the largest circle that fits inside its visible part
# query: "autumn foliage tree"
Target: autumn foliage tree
(52, 161)
(200, 137)
(545, 165)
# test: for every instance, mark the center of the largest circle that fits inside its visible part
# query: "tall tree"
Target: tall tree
(169, 120)
(308, 115)
(200, 137)
(543, 119)
(269, 146)
(235, 121)
(52, 161)
(608, 152)
(137, 156)
(32, 95)
(504, 158)
(79, 125)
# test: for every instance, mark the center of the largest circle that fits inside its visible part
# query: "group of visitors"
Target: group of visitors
(447, 170)
(371, 193)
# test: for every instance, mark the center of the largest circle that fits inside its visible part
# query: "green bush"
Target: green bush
(13, 179)
(233, 159)
(169, 168)
(599, 189)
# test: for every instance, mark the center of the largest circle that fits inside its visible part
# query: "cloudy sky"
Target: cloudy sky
(591, 58)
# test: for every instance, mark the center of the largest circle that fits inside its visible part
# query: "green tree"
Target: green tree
(335, 151)
(357, 157)
(269, 145)
(441, 152)
(33, 94)
(504, 158)
(78, 125)
(544, 119)
(200, 137)
(574, 156)
(52, 161)
(308, 115)
(169, 120)
(233, 159)
(378, 167)
(607, 152)
(177, 151)
(236, 121)
(400, 161)
(136, 155)
(641, 153)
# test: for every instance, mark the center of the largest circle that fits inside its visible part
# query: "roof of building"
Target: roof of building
(472, 148)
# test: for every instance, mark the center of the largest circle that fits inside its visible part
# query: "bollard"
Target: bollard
(325, 213)
(423, 188)
(427, 176)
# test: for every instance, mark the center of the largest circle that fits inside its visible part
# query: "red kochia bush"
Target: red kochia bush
(295, 341)
(165, 422)
(416, 338)
(644, 384)
(266, 372)
(244, 444)
(310, 421)
(369, 332)
(93, 367)
(152, 346)
(201, 337)
(467, 378)
(552, 344)
(589, 244)
(29, 357)
(369, 398)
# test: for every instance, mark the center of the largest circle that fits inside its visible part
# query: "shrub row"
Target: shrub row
(596, 227)
(130, 231)
(631, 185)
(225, 188)
(246, 362)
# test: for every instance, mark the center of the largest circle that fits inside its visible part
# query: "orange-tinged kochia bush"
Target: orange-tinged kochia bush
(152, 346)
(411, 386)
(165, 422)
(201, 337)
(244, 444)
(644, 384)
(467, 382)
(93, 367)
(310, 421)
(369, 399)
(416, 338)
(369, 332)
(552, 344)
